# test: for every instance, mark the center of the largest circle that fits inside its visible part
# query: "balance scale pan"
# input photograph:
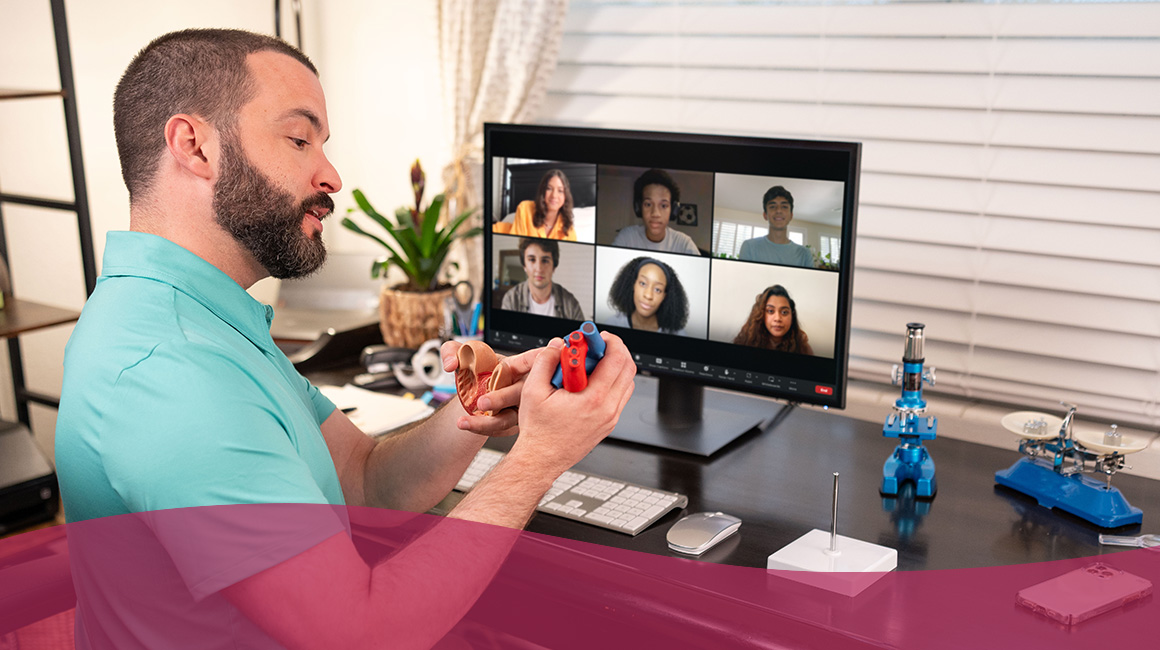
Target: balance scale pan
(1014, 422)
(1093, 440)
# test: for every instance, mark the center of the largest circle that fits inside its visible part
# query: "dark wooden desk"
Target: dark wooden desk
(779, 483)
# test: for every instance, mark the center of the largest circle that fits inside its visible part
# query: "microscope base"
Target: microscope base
(1081, 496)
(909, 463)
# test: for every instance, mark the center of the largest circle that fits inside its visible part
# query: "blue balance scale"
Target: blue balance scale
(911, 461)
(1056, 459)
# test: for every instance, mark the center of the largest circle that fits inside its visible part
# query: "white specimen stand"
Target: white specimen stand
(831, 561)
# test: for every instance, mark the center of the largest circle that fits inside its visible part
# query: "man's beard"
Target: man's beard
(264, 219)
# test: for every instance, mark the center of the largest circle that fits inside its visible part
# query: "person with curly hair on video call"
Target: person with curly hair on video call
(773, 324)
(647, 295)
(549, 216)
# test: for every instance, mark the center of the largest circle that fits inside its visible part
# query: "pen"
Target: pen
(474, 325)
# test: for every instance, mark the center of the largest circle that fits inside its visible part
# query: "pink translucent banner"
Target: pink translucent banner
(216, 577)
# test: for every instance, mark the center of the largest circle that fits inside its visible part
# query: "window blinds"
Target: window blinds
(1010, 194)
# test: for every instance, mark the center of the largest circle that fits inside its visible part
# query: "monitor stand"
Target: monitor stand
(671, 413)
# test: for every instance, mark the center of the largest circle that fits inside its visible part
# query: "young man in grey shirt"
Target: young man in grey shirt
(776, 247)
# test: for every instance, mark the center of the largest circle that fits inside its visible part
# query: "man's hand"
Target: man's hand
(558, 428)
(503, 402)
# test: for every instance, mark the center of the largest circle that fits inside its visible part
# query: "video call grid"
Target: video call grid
(712, 262)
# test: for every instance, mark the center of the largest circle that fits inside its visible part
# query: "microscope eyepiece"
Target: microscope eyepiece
(913, 352)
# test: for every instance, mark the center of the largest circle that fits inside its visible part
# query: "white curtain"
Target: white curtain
(497, 58)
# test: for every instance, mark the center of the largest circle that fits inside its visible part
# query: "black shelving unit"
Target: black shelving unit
(20, 316)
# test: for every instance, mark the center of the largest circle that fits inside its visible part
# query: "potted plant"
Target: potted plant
(413, 312)
(825, 262)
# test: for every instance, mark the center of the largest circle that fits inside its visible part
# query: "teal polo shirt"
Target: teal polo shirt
(175, 395)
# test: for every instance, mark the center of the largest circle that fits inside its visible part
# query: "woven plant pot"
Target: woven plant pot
(410, 318)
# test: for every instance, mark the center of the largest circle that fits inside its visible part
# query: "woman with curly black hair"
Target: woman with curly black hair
(647, 295)
(773, 324)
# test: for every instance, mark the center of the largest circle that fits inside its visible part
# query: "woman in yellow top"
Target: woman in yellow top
(549, 216)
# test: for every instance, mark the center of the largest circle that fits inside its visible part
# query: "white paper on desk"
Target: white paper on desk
(376, 413)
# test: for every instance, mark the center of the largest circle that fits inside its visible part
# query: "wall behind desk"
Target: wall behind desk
(1010, 169)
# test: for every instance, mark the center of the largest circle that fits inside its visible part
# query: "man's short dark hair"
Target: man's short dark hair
(654, 177)
(200, 72)
(549, 246)
(774, 192)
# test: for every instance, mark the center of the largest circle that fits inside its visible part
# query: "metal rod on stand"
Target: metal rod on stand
(834, 518)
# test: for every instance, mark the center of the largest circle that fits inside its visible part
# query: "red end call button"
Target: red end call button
(824, 390)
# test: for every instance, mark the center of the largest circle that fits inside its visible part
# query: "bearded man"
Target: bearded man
(175, 395)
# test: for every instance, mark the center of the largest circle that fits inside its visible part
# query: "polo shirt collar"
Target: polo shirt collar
(142, 255)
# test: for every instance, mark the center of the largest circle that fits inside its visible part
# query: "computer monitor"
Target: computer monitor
(721, 261)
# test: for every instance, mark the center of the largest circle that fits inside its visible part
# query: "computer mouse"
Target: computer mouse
(701, 531)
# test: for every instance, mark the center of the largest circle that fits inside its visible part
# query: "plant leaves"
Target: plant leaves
(370, 211)
(354, 227)
(420, 246)
(430, 223)
(404, 234)
(448, 234)
(403, 217)
(470, 233)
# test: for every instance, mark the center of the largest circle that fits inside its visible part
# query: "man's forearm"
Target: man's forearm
(509, 494)
(328, 597)
(413, 470)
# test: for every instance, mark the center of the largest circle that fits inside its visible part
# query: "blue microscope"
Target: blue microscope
(910, 461)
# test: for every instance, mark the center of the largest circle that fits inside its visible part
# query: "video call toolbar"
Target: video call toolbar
(719, 375)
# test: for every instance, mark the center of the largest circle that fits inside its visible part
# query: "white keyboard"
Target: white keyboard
(590, 499)
(484, 460)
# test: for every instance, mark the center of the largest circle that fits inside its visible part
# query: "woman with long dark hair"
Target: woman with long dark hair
(549, 216)
(648, 295)
(773, 324)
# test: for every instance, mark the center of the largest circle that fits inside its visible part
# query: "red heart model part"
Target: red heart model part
(480, 372)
